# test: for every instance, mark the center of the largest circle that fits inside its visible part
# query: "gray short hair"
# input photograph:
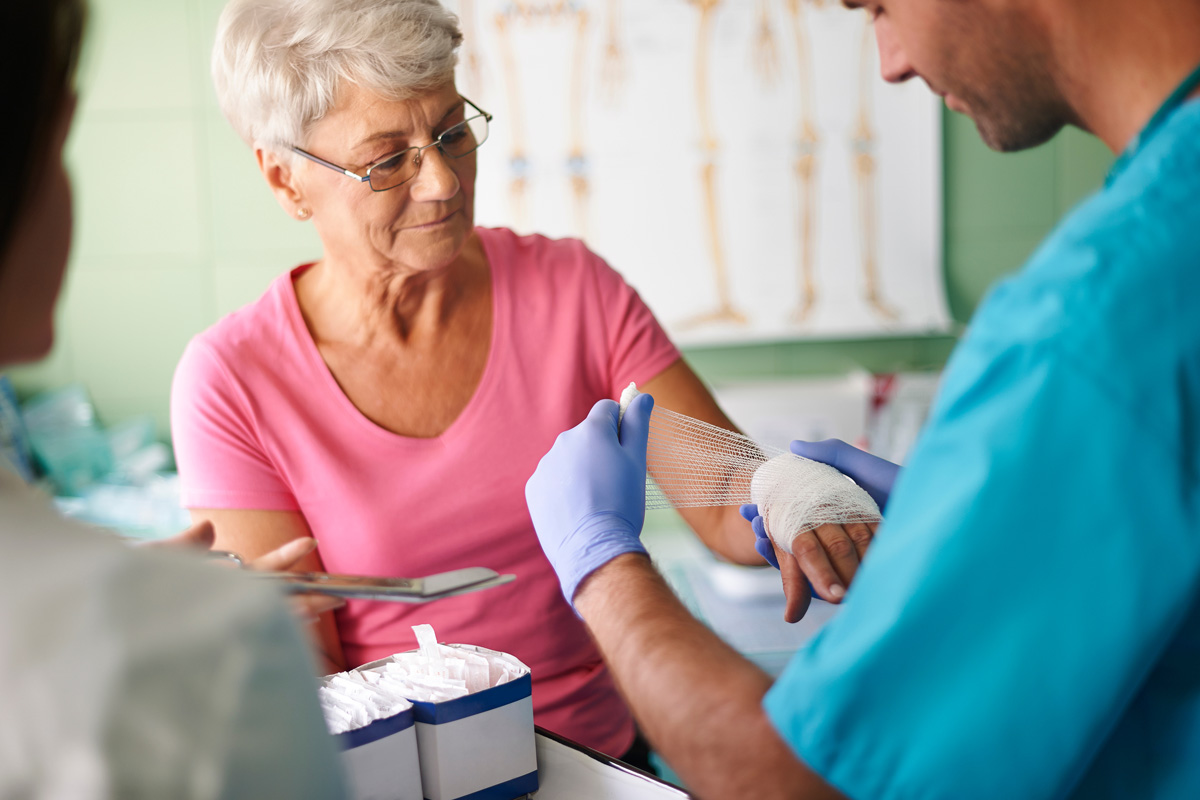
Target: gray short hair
(278, 64)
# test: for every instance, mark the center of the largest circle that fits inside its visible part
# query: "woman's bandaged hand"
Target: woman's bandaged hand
(810, 515)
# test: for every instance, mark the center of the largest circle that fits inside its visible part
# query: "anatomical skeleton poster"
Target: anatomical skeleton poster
(740, 162)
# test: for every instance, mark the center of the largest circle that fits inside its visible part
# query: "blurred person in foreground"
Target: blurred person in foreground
(1027, 622)
(123, 672)
(392, 398)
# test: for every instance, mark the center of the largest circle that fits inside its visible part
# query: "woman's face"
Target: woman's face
(419, 226)
(31, 269)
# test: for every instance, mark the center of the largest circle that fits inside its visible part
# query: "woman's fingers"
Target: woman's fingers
(810, 555)
(830, 556)
(285, 556)
(795, 587)
(306, 607)
(861, 534)
(842, 552)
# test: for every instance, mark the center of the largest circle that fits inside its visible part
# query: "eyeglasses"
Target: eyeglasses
(456, 142)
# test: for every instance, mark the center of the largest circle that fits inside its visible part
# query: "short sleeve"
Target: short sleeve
(220, 456)
(1036, 560)
(638, 347)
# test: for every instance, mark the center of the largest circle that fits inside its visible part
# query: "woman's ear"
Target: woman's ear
(278, 172)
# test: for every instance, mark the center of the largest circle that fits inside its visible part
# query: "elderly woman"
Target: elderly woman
(392, 398)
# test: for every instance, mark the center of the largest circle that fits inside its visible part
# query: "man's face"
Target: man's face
(989, 59)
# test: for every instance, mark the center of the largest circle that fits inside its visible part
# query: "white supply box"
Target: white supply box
(381, 759)
(480, 746)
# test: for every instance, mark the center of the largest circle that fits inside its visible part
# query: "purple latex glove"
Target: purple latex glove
(762, 542)
(873, 474)
(587, 497)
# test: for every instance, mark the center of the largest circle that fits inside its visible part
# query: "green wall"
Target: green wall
(174, 226)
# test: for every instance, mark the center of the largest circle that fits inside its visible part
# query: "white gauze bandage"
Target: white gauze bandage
(692, 463)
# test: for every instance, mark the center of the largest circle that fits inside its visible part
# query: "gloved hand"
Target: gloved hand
(872, 473)
(762, 542)
(588, 495)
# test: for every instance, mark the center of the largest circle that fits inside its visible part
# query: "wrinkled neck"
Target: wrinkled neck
(357, 304)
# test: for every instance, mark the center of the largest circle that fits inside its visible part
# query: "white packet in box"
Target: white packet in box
(479, 743)
(375, 726)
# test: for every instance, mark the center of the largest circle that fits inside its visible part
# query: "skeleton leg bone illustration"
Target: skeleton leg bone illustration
(863, 144)
(518, 161)
(725, 311)
(471, 60)
(613, 69)
(805, 164)
(792, 40)
(521, 15)
(764, 51)
(577, 165)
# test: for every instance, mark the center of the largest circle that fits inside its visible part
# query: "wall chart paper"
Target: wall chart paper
(740, 162)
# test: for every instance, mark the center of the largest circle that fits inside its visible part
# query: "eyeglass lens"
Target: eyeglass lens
(463, 139)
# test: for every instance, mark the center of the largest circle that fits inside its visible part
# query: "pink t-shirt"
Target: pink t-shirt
(260, 423)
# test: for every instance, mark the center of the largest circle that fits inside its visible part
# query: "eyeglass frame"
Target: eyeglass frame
(437, 142)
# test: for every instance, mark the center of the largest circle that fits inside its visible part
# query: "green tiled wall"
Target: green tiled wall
(174, 226)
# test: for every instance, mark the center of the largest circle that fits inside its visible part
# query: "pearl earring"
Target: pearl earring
(303, 213)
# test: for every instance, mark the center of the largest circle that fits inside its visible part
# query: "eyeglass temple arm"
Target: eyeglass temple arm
(331, 165)
(482, 113)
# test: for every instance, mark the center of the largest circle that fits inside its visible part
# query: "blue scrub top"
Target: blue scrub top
(1027, 624)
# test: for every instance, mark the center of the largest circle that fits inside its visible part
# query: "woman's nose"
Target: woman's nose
(435, 179)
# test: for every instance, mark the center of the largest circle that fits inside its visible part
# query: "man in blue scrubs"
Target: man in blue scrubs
(1028, 622)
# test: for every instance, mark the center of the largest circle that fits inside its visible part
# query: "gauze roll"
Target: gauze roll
(691, 463)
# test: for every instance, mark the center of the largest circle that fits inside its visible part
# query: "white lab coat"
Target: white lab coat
(129, 673)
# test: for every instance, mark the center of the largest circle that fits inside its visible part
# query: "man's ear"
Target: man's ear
(278, 172)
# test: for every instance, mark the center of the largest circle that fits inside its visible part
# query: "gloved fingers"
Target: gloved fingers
(635, 425)
(749, 511)
(605, 412)
(833, 452)
(796, 588)
(587, 496)
(763, 543)
(766, 549)
(814, 562)
(862, 535)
